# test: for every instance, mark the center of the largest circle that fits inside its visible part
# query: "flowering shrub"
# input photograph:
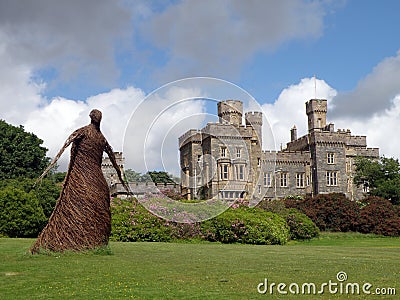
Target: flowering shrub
(301, 227)
(132, 222)
(329, 211)
(379, 216)
(337, 213)
(246, 225)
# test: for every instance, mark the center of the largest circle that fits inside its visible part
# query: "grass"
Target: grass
(198, 271)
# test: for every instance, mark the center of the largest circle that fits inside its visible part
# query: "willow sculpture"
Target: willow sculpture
(81, 218)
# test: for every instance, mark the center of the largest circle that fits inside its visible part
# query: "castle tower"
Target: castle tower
(108, 170)
(230, 111)
(316, 111)
(255, 119)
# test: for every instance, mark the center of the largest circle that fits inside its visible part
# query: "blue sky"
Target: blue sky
(355, 36)
(59, 59)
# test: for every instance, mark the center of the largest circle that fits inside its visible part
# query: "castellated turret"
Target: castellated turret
(230, 111)
(255, 119)
(316, 110)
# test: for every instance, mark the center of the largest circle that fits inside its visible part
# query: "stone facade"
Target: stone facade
(225, 159)
(108, 170)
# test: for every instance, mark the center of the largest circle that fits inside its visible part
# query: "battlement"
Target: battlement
(192, 135)
(300, 144)
(229, 106)
(316, 105)
(230, 111)
(356, 141)
(253, 117)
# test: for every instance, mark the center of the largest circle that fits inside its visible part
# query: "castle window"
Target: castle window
(267, 179)
(223, 151)
(284, 179)
(239, 169)
(331, 178)
(330, 158)
(258, 161)
(238, 152)
(300, 180)
(259, 189)
(224, 172)
(198, 158)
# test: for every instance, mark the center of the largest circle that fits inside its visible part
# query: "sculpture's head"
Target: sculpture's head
(95, 116)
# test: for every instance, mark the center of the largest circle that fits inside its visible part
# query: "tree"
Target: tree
(21, 153)
(160, 177)
(20, 213)
(47, 191)
(133, 176)
(381, 176)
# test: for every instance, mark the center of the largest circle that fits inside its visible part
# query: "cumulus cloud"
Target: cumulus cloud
(151, 136)
(73, 37)
(373, 94)
(144, 128)
(217, 37)
(289, 109)
(55, 121)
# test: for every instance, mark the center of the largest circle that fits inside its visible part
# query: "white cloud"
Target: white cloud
(289, 109)
(55, 121)
(152, 129)
(216, 37)
(151, 137)
(373, 94)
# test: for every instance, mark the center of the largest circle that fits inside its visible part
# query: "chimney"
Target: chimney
(293, 133)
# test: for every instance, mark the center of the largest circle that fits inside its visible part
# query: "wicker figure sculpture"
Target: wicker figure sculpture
(81, 218)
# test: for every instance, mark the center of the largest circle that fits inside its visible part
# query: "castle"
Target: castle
(225, 159)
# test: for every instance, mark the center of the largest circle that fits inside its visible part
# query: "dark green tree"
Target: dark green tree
(133, 176)
(21, 215)
(21, 153)
(46, 191)
(381, 176)
(160, 177)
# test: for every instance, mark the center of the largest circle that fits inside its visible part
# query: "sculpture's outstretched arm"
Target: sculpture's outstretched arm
(76, 134)
(111, 155)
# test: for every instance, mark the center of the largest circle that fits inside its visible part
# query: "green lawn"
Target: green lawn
(199, 271)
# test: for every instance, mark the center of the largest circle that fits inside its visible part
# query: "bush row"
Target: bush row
(335, 212)
(239, 224)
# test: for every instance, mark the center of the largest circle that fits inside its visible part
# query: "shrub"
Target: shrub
(131, 222)
(301, 227)
(332, 212)
(379, 216)
(246, 225)
(47, 191)
(20, 213)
